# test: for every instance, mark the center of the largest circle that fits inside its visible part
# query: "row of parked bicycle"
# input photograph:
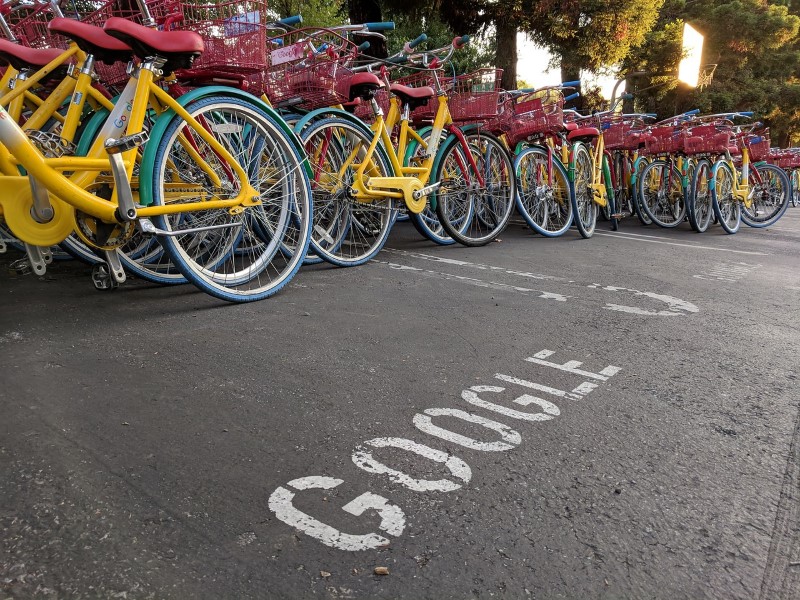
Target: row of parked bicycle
(203, 142)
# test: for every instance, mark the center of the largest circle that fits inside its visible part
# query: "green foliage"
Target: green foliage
(316, 13)
(476, 54)
(590, 34)
(754, 44)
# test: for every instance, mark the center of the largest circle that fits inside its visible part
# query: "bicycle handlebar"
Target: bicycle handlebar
(290, 21)
(382, 26)
(409, 46)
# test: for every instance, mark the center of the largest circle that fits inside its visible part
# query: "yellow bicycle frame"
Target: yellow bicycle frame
(69, 193)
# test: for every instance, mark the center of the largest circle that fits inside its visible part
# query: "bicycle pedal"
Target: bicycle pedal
(617, 215)
(126, 142)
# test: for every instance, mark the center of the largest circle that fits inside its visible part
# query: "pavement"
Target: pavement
(538, 418)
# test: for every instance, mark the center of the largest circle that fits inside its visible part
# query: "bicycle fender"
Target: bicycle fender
(89, 132)
(331, 112)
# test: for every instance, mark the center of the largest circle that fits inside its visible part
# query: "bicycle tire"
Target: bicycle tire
(663, 198)
(698, 204)
(584, 208)
(345, 232)
(771, 196)
(461, 192)
(543, 196)
(727, 209)
(274, 233)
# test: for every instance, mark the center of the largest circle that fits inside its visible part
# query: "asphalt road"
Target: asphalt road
(611, 418)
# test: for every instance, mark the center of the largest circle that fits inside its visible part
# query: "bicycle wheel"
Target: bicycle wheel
(346, 232)
(698, 205)
(253, 251)
(795, 181)
(661, 192)
(771, 195)
(427, 222)
(584, 208)
(474, 202)
(727, 209)
(636, 199)
(622, 190)
(543, 192)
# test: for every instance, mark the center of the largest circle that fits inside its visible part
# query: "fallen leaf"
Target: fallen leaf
(324, 574)
(381, 570)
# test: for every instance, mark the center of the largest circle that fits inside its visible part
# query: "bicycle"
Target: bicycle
(356, 168)
(220, 173)
(738, 194)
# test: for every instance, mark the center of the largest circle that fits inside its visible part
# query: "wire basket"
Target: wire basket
(708, 139)
(757, 145)
(626, 134)
(475, 95)
(785, 159)
(310, 68)
(665, 140)
(539, 113)
(28, 23)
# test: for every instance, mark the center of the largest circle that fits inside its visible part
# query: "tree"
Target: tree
(589, 34)
(757, 53)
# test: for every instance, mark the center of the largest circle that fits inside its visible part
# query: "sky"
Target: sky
(532, 67)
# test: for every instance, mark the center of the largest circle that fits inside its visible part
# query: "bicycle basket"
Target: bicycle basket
(475, 95)
(309, 67)
(758, 146)
(536, 114)
(708, 139)
(28, 23)
(665, 140)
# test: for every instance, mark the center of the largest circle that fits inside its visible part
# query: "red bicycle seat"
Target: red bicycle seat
(413, 96)
(179, 48)
(22, 57)
(92, 40)
(583, 132)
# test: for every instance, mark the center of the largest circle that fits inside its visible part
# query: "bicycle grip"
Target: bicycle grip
(650, 115)
(571, 84)
(397, 60)
(694, 111)
(363, 46)
(383, 26)
(572, 96)
(460, 42)
(527, 90)
(416, 42)
(290, 21)
(756, 140)
(745, 113)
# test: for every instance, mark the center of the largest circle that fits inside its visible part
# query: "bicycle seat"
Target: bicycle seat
(179, 48)
(22, 57)
(92, 40)
(570, 126)
(413, 96)
(364, 85)
(583, 133)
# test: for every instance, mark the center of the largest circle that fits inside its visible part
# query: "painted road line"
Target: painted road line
(727, 272)
(676, 306)
(639, 239)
